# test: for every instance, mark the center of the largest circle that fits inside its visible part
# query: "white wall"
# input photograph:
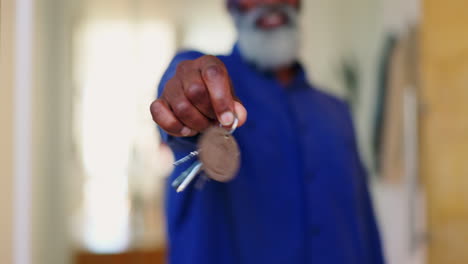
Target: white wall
(53, 178)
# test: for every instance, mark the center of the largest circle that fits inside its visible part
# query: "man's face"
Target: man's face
(268, 34)
(270, 20)
(246, 5)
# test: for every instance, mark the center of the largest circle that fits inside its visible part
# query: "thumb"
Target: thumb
(241, 113)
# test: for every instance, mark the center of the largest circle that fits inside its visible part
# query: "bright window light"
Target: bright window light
(118, 64)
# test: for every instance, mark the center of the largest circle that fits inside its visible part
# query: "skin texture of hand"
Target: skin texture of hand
(198, 96)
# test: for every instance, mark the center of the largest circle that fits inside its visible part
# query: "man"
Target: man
(301, 194)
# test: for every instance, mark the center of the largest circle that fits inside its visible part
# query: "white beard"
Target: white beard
(268, 49)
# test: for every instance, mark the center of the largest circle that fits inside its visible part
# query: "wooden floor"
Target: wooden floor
(157, 256)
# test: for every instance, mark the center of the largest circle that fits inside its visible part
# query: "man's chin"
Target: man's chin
(271, 65)
(269, 50)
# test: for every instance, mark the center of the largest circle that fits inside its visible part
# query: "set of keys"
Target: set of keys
(218, 156)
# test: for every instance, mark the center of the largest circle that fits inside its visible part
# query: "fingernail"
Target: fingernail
(227, 118)
(185, 131)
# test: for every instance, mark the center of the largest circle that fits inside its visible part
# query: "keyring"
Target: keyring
(218, 156)
(233, 127)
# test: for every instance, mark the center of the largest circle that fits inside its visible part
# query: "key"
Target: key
(178, 181)
(193, 173)
(219, 157)
(186, 158)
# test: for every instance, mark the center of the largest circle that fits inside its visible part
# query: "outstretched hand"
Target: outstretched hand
(199, 95)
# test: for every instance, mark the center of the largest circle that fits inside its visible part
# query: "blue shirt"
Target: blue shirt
(301, 194)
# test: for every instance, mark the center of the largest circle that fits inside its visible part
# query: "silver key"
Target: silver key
(181, 182)
(190, 177)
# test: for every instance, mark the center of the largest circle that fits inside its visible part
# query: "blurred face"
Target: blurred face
(247, 5)
(267, 32)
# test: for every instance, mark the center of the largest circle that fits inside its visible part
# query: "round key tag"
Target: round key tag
(219, 154)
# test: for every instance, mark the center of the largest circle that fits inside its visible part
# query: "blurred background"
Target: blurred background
(82, 170)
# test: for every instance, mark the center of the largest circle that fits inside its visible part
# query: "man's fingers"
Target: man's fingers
(196, 92)
(182, 108)
(241, 113)
(189, 115)
(164, 117)
(217, 82)
(184, 67)
(199, 94)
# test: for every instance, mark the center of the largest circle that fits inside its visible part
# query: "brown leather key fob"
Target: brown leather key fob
(219, 154)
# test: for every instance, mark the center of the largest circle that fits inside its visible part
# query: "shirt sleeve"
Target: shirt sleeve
(177, 144)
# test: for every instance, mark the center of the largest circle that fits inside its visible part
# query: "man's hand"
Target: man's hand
(199, 95)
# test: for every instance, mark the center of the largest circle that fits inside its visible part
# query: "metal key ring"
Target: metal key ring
(233, 127)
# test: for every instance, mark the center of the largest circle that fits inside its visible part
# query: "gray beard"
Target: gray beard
(267, 49)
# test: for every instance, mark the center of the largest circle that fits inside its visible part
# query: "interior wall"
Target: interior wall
(444, 127)
(334, 32)
(6, 130)
(53, 178)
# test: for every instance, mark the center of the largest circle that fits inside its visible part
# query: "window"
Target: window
(117, 67)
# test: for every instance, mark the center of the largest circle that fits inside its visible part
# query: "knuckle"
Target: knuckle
(196, 92)
(213, 71)
(171, 84)
(211, 59)
(183, 67)
(182, 109)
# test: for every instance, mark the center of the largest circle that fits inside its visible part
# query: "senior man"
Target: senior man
(300, 195)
